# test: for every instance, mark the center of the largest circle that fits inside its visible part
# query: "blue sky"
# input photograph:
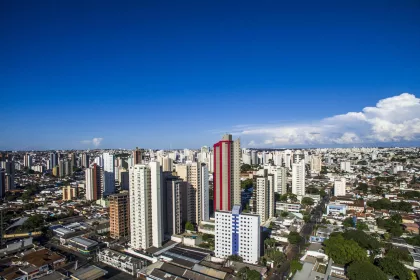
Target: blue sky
(158, 74)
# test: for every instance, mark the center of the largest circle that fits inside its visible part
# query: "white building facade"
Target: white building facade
(145, 206)
(340, 187)
(237, 234)
(298, 178)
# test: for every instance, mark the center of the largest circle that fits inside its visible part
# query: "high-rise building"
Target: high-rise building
(298, 156)
(205, 199)
(94, 182)
(109, 174)
(280, 177)
(345, 166)
(196, 174)
(53, 160)
(124, 179)
(70, 193)
(166, 163)
(340, 187)
(237, 234)
(146, 206)
(9, 176)
(298, 178)
(176, 208)
(316, 165)
(254, 157)
(226, 178)
(119, 215)
(264, 195)
(287, 158)
(137, 159)
(27, 160)
(85, 160)
(2, 183)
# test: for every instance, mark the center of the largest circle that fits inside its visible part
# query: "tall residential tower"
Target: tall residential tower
(226, 179)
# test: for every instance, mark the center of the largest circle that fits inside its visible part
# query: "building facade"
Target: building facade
(226, 182)
(298, 178)
(237, 234)
(340, 187)
(119, 215)
(145, 206)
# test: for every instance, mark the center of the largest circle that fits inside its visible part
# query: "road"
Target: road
(292, 251)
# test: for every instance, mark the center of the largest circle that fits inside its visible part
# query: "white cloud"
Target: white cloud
(95, 142)
(393, 119)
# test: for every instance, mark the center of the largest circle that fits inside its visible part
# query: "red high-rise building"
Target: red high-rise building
(226, 178)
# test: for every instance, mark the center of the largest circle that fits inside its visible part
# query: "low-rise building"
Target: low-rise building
(125, 263)
(288, 207)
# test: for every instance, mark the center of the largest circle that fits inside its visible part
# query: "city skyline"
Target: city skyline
(274, 75)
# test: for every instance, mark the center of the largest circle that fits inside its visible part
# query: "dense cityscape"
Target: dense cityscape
(221, 212)
(209, 140)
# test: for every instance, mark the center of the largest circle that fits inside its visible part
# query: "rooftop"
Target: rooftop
(89, 273)
(42, 257)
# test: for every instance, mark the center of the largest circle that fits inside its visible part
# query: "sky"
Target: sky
(180, 74)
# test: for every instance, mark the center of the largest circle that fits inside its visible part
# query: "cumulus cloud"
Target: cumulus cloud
(393, 119)
(95, 142)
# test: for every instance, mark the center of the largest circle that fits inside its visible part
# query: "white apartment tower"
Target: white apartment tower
(345, 166)
(340, 187)
(145, 206)
(280, 178)
(237, 234)
(316, 164)
(265, 196)
(298, 178)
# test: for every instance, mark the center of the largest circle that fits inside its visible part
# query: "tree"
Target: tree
(348, 222)
(284, 214)
(364, 240)
(362, 226)
(307, 201)
(399, 254)
(248, 274)
(247, 184)
(295, 266)
(294, 238)
(393, 267)
(344, 251)
(33, 223)
(365, 271)
(189, 226)
(246, 167)
(283, 197)
(292, 197)
(270, 243)
(235, 258)
(415, 241)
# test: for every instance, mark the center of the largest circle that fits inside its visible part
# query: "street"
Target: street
(293, 251)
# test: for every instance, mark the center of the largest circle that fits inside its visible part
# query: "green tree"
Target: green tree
(294, 238)
(364, 240)
(363, 270)
(362, 226)
(189, 226)
(344, 251)
(246, 168)
(393, 267)
(348, 222)
(399, 254)
(307, 201)
(248, 274)
(247, 184)
(295, 265)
